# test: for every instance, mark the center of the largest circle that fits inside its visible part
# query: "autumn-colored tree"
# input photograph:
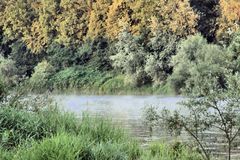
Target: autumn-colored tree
(72, 21)
(15, 17)
(230, 18)
(97, 16)
(40, 22)
(117, 18)
(175, 16)
(43, 28)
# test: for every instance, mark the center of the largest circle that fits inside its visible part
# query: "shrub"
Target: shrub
(3, 90)
(197, 62)
(60, 56)
(8, 72)
(24, 59)
(79, 78)
(100, 53)
(114, 84)
(234, 52)
(5, 155)
(161, 48)
(130, 57)
(40, 77)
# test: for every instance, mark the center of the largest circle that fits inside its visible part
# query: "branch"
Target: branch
(236, 134)
(198, 141)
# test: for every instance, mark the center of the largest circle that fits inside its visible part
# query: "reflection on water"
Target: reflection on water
(125, 111)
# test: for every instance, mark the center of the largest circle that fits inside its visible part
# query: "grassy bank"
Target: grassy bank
(86, 80)
(48, 134)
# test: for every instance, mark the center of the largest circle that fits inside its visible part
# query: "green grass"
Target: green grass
(85, 80)
(49, 134)
(18, 126)
(175, 151)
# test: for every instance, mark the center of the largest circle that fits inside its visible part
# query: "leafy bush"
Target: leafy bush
(197, 62)
(100, 54)
(161, 48)
(24, 59)
(8, 72)
(60, 56)
(130, 58)
(5, 155)
(40, 77)
(234, 52)
(79, 78)
(3, 90)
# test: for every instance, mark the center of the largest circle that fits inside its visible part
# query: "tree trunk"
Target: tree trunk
(229, 150)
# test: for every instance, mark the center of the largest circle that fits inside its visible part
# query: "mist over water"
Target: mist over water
(126, 111)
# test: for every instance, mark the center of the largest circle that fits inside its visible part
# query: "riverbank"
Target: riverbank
(46, 133)
(88, 81)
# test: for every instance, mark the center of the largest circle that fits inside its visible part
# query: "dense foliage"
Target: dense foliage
(172, 44)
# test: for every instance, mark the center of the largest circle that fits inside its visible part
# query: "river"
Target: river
(126, 111)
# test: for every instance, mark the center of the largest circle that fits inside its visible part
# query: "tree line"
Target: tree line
(149, 41)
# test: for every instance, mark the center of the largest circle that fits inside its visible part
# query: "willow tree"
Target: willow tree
(97, 17)
(229, 20)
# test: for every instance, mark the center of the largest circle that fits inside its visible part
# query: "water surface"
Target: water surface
(126, 111)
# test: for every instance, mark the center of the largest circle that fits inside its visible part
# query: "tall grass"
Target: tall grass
(87, 80)
(49, 134)
(175, 151)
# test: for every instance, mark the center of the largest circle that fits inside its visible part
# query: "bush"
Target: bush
(5, 155)
(79, 78)
(198, 62)
(24, 59)
(100, 53)
(60, 56)
(8, 72)
(3, 90)
(234, 52)
(161, 48)
(130, 58)
(41, 76)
